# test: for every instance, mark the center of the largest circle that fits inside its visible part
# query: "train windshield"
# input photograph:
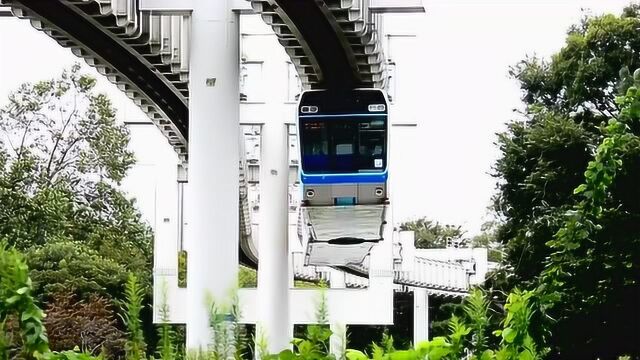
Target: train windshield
(343, 144)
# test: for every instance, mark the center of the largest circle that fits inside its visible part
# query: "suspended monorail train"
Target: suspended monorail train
(344, 137)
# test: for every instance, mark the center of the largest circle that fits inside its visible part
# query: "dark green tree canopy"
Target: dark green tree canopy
(543, 158)
(582, 78)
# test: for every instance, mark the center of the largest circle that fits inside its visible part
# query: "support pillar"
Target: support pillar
(338, 340)
(273, 248)
(212, 234)
(420, 315)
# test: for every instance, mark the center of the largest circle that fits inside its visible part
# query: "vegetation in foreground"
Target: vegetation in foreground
(570, 100)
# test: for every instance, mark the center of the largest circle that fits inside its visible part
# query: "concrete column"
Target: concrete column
(273, 247)
(420, 315)
(211, 237)
(337, 342)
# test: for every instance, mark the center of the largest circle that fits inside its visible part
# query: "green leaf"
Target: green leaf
(580, 189)
(355, 355)
(286, 355)
(509, 335)
(403, 355)
(13, 299)
(487, 355)
(437, 353)
(526, 355)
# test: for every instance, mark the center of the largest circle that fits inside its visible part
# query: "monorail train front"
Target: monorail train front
(344, 141)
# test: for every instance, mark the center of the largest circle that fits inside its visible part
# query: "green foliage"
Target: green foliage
(322, 307)
(69, 355)
(515, 341)
(65, 266)
(476, 309)
(88, 324)
(63, 155)
(313, 346)
(62, 158)
(91, 322)
(558, 288)
(182, 269)
(429, 234)
(135, 346)
(247, 277)
(488, 239)
(166, 348)
(315, 343)
(573, 122)
(16, 299)
(584, 72)
(443, 310)
(240, 335)
(229, 338)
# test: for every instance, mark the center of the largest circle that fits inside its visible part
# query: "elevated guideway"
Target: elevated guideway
(332, 43)
(145, 55)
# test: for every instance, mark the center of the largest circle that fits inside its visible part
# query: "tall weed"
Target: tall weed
(135, 346)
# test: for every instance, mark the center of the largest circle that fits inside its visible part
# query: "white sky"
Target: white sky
(459, 86)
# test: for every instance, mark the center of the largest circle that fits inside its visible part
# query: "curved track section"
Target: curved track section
(332, 43)
(145, 55)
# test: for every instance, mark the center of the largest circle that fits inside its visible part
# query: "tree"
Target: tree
(63, 155)
(430, 235)
(488, 239)
(62, 158)
(544, 157)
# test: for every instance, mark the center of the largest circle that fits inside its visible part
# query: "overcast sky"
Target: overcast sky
(457, 78)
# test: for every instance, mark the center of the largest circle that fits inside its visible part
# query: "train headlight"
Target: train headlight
(377, 107)
(308, 109)
(310, 193)
(379, 192)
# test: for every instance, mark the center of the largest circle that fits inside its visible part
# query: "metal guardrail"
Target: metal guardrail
(439, 275)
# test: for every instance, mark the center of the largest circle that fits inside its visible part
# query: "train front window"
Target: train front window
(345, 144)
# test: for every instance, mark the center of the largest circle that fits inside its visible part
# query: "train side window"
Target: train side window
(344, 149)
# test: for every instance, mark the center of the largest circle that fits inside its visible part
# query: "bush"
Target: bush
(65, 266)
(88, 324)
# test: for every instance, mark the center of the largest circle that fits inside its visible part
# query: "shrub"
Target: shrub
(16, 300)
(88, 324)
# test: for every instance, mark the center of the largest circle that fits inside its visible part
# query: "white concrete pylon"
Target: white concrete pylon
(338, 340)
(273, 324)
(212, 234)
(420, 315)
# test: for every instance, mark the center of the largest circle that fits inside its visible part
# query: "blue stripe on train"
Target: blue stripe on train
(344, 178)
